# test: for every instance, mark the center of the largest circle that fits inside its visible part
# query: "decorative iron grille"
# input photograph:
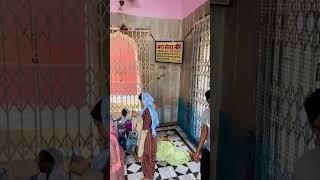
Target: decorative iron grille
(288, 54)
(200, 71)
(52, 72)
(130, 72)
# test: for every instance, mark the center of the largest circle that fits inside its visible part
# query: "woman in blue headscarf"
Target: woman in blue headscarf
(150, 123)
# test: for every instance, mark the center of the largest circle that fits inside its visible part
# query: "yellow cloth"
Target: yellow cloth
(137, 124)
(168, 152)
(141, 140)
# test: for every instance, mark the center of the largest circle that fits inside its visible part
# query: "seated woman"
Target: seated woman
(51, 166)
(127, 123)
(80, 165)
(168, 152)
(123, 126)
(122, 123)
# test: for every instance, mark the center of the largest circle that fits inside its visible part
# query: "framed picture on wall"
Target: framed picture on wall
(169, 52)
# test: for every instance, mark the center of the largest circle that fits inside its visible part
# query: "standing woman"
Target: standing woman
(116, 156)
(150, 123)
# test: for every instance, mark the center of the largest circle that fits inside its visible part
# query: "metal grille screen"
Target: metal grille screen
(288, 54)
(129, 68)
(51, 74)
(200, 71)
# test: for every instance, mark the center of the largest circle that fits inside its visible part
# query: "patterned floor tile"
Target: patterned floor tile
(188, 171)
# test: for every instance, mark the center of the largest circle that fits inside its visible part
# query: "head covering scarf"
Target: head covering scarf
(128, 114)
(58, 172)
(148, 102)
(127, 117)
(114, 142)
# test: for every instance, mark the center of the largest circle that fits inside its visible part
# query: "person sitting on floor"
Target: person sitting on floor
(51, 165)
(127, 123)
(123, 123)
(123, 127)
(79, 165)
(168, 152)
(131, 134)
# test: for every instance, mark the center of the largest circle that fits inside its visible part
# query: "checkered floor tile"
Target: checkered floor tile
(188, 171)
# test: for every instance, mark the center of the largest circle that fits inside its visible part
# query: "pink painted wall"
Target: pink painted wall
(164, 9)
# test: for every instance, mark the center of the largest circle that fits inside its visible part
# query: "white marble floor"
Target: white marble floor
(188, 171)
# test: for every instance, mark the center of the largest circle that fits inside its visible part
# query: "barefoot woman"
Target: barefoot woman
(150, 123)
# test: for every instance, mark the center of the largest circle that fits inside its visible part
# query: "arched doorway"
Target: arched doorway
(124, 73)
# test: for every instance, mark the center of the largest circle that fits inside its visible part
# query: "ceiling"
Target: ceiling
(164, 9)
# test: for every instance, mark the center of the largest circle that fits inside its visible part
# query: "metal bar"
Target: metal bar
(199, 62)
(201, 20)
(289, 62)
(130, 30)
(44, 65)
(118, 101)
(187, 35)
(11, 150)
